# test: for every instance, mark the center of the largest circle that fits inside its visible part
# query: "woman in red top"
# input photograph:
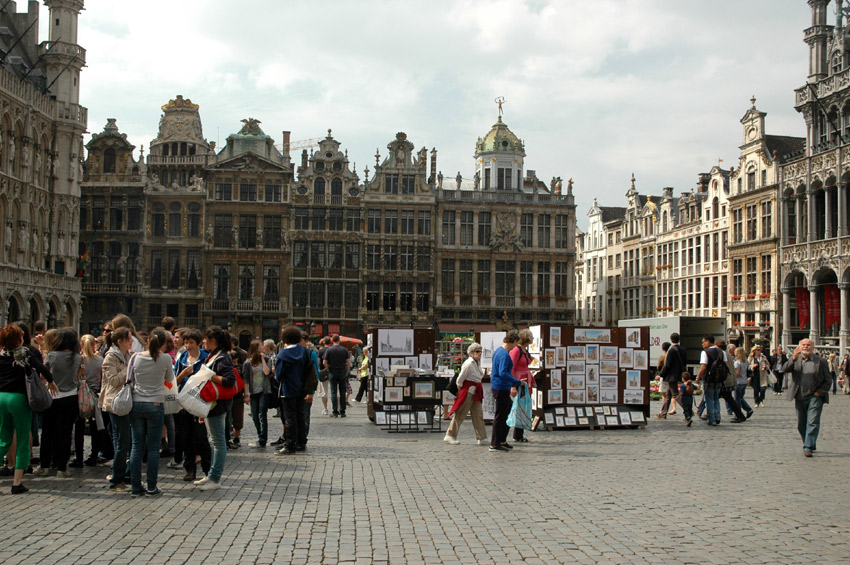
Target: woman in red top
(521, 358)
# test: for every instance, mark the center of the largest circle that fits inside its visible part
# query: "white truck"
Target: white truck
(690, 328)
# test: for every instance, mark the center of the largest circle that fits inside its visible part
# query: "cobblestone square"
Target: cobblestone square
(736, 493)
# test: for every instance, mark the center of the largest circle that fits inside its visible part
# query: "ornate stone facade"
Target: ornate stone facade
(41, 127)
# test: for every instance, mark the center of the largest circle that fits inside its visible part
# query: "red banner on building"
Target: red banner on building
(832, 304)
(802, 306)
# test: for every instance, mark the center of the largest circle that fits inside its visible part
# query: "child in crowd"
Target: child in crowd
(686, 397)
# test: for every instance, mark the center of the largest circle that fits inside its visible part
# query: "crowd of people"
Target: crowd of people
(273, 376)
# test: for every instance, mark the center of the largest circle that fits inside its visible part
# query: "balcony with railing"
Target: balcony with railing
(200, 160)
(505, 301)
(500, 196)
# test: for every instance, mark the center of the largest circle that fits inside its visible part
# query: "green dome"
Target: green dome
(499, 138)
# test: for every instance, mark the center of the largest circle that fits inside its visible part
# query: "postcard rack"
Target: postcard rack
(590, 378)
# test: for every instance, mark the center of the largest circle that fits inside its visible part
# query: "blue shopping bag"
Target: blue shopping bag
(520, 416)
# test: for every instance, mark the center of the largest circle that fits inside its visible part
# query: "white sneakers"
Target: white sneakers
(450, 440)
(256, 445)
(483, 442)
(210, 485)
(325, 412)
(201, 482)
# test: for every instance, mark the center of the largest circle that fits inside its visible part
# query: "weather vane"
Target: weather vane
(500, 100)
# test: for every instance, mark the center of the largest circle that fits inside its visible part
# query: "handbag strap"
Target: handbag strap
(131, 372)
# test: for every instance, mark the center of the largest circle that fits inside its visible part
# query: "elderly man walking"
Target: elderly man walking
(809, 389)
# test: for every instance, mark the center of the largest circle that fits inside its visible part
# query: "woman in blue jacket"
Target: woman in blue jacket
(191, 434)
(504, 387)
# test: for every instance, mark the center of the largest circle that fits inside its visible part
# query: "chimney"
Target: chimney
(432, 179)
(304, 159)
(286, 142)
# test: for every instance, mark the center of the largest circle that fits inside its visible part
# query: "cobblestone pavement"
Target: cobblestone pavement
(736, 493)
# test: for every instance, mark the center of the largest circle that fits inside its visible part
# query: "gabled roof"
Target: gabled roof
(612, 213)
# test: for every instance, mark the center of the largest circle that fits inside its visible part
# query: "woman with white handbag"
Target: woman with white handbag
(217, 342)
(115, 364)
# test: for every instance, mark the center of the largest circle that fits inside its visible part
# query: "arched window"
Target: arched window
(319, 186)
(715, 208)
(109, 160)
(336, 187)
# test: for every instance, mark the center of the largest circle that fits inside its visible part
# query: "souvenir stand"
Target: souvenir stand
(406, 392)
(590, 377)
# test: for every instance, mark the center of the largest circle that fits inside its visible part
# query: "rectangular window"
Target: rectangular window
(389, 296)
(405, 295)
(334, 220)
(423, 258)
(317, 255)
(737, 277)
(484, 226)
(134, 218)
(335, 258)
(447, 278)
(448, 227)
(465, 282)
(116, 218)
(302, 219)
(544, 230)
(562, 286)
(271, 282)
(299, 294)
(562, 232)
(424, 227)
(317, 294)
(158, 227)
(737, 225)
(335, 295)
(766, 274)
(247, 232)
(466, 228)
(193, 269)
(194, 225)
(223, 191)
(526, 230)
(174, 269)
(222, 234)
(407, 258)
(391, 184)
(246, 282)
(374, 221)
(543, 277)
(272, 193)
(505, 278)
(221, 282)
(503, 179)
(352, 220)
(373, 257)
(352, 296)
(391, 222)
(751, 181)
(248, 192)
(767, 219)
(390, 257)
(407, 222)
(352, 255)
(318, 219)
(483, 281)
(526, 274)
(175, 223)
(423, 297)
(272, 233)
(300, 255)
(752, 274)
(373, 296)
(752, 222)
(408, 184)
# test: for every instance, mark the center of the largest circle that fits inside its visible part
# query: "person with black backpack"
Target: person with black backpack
(712, 373)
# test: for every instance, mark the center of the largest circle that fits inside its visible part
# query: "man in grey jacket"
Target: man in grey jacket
(809, 389)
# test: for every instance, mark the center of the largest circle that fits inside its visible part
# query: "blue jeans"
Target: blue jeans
(808, 420)
(338, 379)
(712, 402)
(146, 420)
(218, 446)
(259, 413)
(121, 440)
(739, 398)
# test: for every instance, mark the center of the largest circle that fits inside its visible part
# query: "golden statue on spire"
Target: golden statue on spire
(499, 101)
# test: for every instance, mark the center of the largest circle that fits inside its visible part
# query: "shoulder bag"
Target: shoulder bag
(38, 396)
(122, 404)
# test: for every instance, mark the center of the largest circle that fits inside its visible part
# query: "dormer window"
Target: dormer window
(109, 160)
(337, 167)
(320, 166)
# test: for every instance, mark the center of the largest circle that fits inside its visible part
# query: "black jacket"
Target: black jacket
(675, 363)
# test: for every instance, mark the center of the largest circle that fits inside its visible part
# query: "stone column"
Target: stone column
(814, 314)
(842, 211)
(811, 216)
(798, 203)
(827, 209)
(844, 333)
(786, 318)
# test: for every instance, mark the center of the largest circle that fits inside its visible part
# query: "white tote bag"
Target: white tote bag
(189, 397)
(169, 391)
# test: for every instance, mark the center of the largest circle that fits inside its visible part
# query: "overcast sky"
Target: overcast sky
(596, 89)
